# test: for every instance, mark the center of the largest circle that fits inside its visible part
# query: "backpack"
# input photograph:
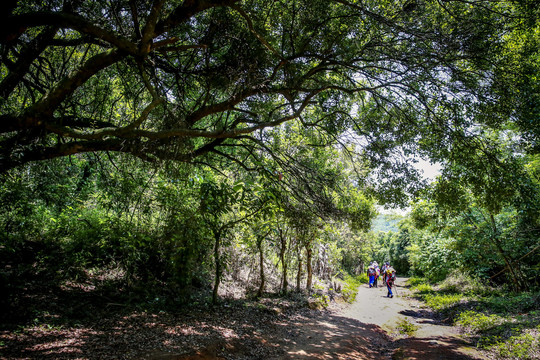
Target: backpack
(371, 271)
(390, 274)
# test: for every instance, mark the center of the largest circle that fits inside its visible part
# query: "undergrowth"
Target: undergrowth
(406, 327)
(507, 325)
(351, 285)
(345, 286)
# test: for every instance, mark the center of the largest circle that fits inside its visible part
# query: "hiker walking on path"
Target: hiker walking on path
(383, 271)
(390, 276)
(371, 273)
(377, 272)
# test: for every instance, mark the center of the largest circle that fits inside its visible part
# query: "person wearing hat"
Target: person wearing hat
(383, 270)
(371, 274)
(390, 275)
(377, 273)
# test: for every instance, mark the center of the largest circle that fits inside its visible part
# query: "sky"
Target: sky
(430, 172)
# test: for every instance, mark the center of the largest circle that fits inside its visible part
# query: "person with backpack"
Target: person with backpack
(377, 273)
(371, 275)
(383, 270)
(390, 275)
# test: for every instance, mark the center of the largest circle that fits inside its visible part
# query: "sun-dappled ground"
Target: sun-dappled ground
(277, 330)
(271, 328)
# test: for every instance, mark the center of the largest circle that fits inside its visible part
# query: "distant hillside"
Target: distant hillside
(386, 222)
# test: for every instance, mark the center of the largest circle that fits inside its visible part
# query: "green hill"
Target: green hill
(386, 222)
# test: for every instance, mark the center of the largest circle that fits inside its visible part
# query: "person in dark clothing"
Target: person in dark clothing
(383, 271)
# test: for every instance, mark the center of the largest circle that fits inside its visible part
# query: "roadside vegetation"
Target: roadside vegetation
(506, 325)
(405, 327)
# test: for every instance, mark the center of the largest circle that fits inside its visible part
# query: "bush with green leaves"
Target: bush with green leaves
(443, 302)
(504, 336)
(432, 256)
(513, 304)
(459, 282)
(504, 324)
(352, 283)
(423, 289)
(406, 327)
(525, 346)
(475, 322)
(414, 281)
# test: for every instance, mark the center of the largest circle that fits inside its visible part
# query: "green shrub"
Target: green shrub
(423, 289)
(415, 281)
(525, 346)
(506, 337)
(507, 326)
(318, 286)
(441, 302)
(350, 288)
(320, 301)
(361, 279)
(519, 303)
(404, 326)
(458, 282)
(433, 256)
(477, 322)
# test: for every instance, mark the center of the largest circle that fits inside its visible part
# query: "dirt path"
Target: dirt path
(373, 307)
(367, 330)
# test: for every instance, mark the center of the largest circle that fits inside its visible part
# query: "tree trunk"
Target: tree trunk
(261, 266)
(518, 284)
(299, 273)
(217, 261)
(309, 253)
(282, 250)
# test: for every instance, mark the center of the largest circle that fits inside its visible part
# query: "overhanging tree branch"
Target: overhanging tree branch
(16, 25)
(174, 79)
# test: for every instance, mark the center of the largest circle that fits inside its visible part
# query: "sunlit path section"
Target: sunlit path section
(373, 307)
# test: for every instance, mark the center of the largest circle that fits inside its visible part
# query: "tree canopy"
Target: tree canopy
(199, 79)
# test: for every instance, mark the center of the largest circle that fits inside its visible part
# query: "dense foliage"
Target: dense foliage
(203, 81)
(156, 151)
(494, 240)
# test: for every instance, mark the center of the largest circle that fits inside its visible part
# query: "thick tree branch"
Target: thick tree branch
(27, 55)
(16, 25)
(148, 32)
(187, 10)
(70, 83)
(135, 17)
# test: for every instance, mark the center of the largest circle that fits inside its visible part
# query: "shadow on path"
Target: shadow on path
(330, 336)
(433, 348)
